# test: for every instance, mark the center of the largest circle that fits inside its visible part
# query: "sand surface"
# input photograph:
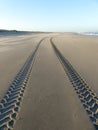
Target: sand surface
(82, 52)
(50, 101)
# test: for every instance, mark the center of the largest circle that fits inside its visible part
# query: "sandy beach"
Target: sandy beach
(49, 100)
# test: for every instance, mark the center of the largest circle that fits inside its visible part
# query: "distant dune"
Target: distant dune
(4, 32)
(12, 32)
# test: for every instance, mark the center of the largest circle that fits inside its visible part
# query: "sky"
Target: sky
(49, 15)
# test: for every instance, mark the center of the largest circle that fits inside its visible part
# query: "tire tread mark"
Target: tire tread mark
(87, 96)
(10, 103)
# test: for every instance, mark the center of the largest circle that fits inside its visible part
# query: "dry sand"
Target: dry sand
(50, 102)
(82, 52)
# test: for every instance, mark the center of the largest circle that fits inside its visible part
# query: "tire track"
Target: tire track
(87, 96)
(10, 103)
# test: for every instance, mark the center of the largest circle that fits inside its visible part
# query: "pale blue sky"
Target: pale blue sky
(49, 15)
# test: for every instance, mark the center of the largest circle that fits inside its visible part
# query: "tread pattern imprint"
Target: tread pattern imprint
(87, 96)
(11, 102)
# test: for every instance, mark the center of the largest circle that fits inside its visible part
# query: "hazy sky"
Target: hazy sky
(49, 15)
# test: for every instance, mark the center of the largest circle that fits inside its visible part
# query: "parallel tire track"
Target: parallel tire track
(10, 103)
(87, 96)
